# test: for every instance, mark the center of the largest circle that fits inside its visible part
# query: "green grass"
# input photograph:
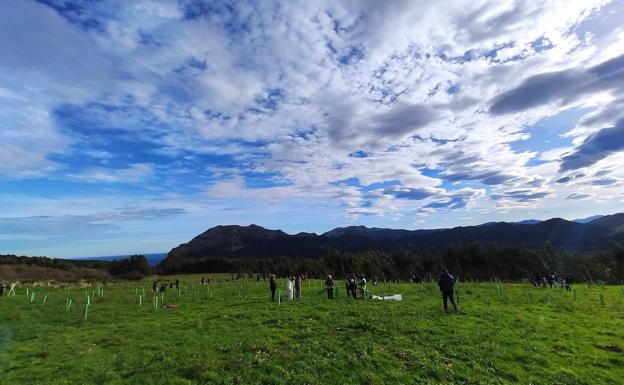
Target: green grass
(544, 338)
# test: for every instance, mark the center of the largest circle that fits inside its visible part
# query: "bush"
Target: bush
(134, 276)
(134, 263)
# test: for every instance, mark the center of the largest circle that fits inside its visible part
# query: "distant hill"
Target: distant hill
(615, 222)
(524, 222)
(558, 232)
(257, 242)
(374, 232)
(588, 219)
(528, 222)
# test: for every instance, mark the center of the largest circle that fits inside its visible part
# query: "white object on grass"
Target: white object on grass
(395, 297)
(289, 289)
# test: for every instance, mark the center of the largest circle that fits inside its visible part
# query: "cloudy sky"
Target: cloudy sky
(131, 126)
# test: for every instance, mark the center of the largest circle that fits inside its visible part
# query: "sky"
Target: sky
(132, 126)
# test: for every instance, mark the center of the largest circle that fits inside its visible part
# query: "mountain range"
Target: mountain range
(257, 242)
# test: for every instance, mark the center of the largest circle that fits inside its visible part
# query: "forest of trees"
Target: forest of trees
(468, 261)
(55, 263)
(13, 268)
(134, 267)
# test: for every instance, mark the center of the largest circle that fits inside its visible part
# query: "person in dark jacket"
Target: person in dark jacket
(361, 282)
(298, 284)
(329, 285)
(568, 282)
(446, 283)
(272, 286)
(351, 286)
(550, 280)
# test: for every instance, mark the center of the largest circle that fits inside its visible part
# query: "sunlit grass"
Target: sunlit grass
(229, 333)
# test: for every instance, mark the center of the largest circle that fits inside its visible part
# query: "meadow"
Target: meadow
(230, 333)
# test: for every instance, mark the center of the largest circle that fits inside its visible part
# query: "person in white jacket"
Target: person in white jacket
(290, 284)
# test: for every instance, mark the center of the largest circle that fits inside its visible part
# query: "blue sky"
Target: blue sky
(130, 127)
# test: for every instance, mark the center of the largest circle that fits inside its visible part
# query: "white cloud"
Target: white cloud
(136, 173)
(311, 85)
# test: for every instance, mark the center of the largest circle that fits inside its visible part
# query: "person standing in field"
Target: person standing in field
(362, 286)
(290, 285)
(446, 283)
(272, 286)
(351, 286)
(329, 285)
(1, 289)
(568, 282)
(177, 283)
(154, 287)
(298, 283)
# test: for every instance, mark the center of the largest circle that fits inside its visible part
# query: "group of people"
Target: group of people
(553, 281)
(160, 286)
(7, 287)
(355, 287)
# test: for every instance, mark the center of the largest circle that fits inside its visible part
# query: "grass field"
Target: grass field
(222, 334)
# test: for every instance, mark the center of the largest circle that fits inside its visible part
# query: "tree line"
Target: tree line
(468, 261)
(13, 268)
